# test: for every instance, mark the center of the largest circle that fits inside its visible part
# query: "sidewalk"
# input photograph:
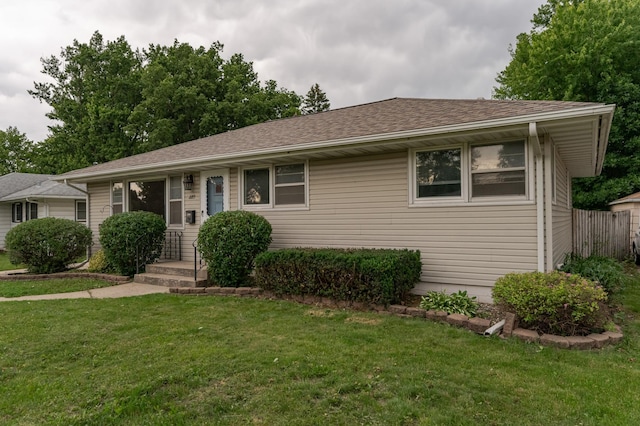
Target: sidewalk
(114, 291)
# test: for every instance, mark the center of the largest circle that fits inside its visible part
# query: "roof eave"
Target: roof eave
(597, 110)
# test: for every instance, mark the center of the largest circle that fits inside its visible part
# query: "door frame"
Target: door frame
(226, 188)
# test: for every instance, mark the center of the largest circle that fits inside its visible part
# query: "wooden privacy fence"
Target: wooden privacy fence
(601, 233)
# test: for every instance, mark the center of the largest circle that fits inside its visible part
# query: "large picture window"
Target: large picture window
(438, 173)
(256, 186)
(148, 196)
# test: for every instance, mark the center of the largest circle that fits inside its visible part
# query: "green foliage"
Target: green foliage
(99, 263)
(362, 275)
(555, 302)
(586, 51)
(605, 271)
(47, 245)
(16, 152)
(229, 243)
(315, 101)
(110, 101)
(455, 303)
(132, 240)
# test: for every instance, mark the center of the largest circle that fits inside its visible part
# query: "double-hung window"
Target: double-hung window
(438, 174)
(175, 200)
(16, 212)
(498, 170)
(81, 211)
(282, 185)
(116, 198)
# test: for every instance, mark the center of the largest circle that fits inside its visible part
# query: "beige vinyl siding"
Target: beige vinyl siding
(5, 222)
(65, 209)
(99, 208)
(363, 202)
(190, 201)
(562, 215)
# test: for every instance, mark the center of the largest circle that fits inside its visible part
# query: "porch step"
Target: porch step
(168, 280)
(183, 269)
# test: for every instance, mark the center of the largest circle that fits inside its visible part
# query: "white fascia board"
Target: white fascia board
(387, 138)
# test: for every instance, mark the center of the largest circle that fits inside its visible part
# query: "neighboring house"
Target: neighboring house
(26, 196)
(480, 187)
(629, 203)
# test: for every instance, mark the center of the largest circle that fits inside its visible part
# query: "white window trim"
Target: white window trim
(86, 211)
(169, 200)
(111, 202)
(13, 212)
(272, 185)
(467, 199)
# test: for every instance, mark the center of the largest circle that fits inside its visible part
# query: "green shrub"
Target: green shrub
(605, 271)
(364, 275)
(99, 263)
(229, 242)
(132, 240)
(555, 302)
(47, 245)
(455, 303)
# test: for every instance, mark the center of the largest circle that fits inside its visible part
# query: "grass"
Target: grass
(5, 265)
(49, 286)
(187, 360)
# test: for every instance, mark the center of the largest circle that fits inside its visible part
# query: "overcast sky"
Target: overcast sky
(357, 50)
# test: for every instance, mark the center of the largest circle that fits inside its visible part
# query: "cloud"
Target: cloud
(358, 51)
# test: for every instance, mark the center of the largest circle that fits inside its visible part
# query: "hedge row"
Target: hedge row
(374, 276)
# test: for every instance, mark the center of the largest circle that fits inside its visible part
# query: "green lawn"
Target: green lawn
(49, 286)
(189, 360)
(5, 265)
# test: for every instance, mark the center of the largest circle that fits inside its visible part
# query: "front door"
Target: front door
(214, 192)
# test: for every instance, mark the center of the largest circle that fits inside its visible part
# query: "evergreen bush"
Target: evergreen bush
(229, 242)
(131, 240)
(48, 244)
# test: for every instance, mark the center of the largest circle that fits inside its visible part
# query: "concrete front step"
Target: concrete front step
(183, 269)
(168, 280)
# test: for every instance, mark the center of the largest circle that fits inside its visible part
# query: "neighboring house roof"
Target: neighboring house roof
(579, 128)
(633, 198)
(19, 186)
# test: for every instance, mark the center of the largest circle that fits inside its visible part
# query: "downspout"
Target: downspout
(36, 202)
(548, 205)
(535, 141)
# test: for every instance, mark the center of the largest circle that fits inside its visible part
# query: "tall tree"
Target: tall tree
(315, 101)
(109, 101)
(95, 87)
(15, 152)
(586, 50)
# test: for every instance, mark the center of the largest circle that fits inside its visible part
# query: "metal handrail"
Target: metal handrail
(173, 249)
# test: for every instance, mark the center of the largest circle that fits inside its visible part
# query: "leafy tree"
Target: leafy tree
(15, 151)
(94, 90)
(315, 101)
(586, 50)
(110, 102)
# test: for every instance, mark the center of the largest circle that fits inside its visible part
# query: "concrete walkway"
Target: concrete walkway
(120, 290)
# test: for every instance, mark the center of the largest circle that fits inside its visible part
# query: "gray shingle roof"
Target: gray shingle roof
(377, 118)
(16, 186)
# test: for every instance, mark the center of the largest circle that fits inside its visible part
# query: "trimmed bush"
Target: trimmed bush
(132, 239)
(359, 275)
(229, 243)
(98, 263)
(555, 302)
(47, 245)
(605, 271)
(454, 303)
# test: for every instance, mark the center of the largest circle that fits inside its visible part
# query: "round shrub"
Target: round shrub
(99, 263)
(555, 302)
(47, 245)
(229, 243)
(132, 240)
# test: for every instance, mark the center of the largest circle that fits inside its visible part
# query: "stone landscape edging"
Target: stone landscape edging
(475, 324)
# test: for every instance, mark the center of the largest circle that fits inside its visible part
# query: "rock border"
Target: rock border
(476, 325)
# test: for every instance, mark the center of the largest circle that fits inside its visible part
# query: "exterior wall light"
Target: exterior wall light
(188, 182)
